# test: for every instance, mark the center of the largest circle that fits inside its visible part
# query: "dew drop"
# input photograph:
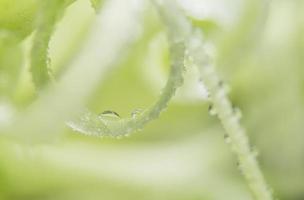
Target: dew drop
(110, 115)
(212, 110)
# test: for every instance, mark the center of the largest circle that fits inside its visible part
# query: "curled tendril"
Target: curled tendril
(111, 35)
(89, 123)
(97, 125)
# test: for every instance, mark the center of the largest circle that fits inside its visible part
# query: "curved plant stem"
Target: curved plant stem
(94, 125)
(230, 120)
(89, 123)
(110, 36)
(49, 13)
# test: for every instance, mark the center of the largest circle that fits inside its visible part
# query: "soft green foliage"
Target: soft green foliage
(206, 26)
(67, 68)
(10, 61)
(17, 16)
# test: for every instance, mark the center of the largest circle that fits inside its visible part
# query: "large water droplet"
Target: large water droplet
(110, 115)
(212, 110)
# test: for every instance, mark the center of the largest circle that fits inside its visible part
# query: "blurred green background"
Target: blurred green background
(182, 154)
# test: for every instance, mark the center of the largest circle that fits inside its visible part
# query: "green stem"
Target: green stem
(238, 139)
(48, 14)
(91, 124)
(236, 134)
(109, 38)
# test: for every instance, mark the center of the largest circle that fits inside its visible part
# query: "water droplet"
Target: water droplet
(136, 112)
(110, 115)
(212, 110)
(110, 112)
(227, 138)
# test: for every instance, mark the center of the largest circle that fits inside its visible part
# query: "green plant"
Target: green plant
(59, 99)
